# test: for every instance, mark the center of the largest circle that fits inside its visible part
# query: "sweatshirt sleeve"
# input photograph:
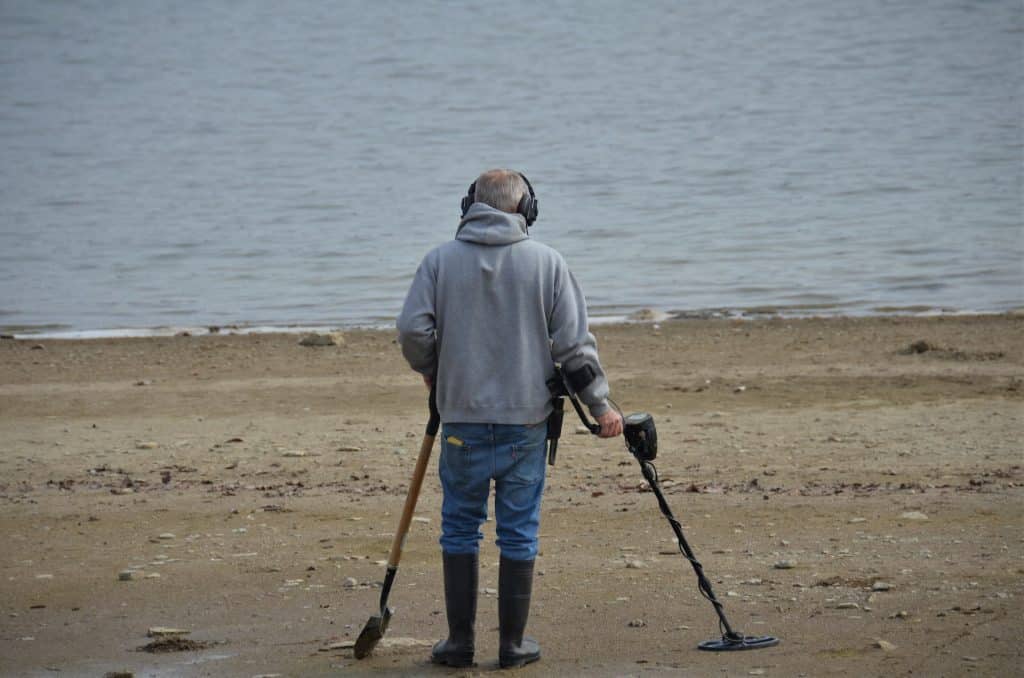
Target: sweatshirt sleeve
(572, 344)
(416, 323)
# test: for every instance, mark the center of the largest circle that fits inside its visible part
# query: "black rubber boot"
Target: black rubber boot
(460, 585)
(515, 583)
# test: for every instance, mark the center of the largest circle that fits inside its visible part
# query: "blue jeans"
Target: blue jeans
(473, 454)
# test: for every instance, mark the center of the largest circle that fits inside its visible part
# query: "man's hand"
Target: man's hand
(611, 424)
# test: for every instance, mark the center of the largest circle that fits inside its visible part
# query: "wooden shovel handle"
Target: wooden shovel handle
(416, 483)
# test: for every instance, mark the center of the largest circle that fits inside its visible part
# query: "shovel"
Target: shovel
(378, 623)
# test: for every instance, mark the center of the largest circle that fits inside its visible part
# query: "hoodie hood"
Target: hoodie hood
(486, 225)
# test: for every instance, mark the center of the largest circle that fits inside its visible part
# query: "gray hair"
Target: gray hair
(501, 189)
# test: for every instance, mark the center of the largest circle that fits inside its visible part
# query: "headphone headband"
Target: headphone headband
(527, 204)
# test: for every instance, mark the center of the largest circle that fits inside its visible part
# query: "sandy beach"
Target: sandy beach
(853, 486)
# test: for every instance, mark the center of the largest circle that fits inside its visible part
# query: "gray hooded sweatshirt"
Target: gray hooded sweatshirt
(489, 314)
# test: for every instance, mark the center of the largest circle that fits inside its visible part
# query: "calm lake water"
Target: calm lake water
(267, 163)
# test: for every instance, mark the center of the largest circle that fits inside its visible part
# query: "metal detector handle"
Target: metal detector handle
(593, 427)
(416, 483)
(555, 428)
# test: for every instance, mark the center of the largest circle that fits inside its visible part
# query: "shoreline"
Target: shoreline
(641, 316)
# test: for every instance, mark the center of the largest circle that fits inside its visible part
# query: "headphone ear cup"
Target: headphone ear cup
(469, 198)
(528, 208)
(528, 203)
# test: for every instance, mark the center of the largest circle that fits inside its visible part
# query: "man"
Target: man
(486, 318)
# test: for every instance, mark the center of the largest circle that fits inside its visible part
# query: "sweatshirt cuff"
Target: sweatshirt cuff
(599, 409)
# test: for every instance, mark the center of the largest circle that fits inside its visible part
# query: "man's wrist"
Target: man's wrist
(599, 409)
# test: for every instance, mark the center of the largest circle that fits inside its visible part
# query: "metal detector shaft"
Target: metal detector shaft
(651, 475)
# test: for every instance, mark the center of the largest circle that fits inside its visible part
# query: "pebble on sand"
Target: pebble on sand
(881, 586)
(328, 339)
(146, 445)
(637, 623)
(164, 631)
(350, 582)
(294, 453)
(166, 535)
(785, 565)
(636, 565)
(913, 515)
(125, 575)
(885, 645)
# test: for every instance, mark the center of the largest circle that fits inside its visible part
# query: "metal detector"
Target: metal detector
(642, 442)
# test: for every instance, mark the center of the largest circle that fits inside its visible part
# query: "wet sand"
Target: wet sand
(243, 479)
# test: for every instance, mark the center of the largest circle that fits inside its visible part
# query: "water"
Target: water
(268, 164)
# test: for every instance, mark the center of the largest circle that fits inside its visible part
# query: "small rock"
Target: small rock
(648, 315)
(44, 576)
(636, 565)
(420, 519)
(913, 515)
(637, 623)
(164, 631)
(152, 575)
(350, 582)
(919, 346)
(785, 565)
(125, 575)
(732, 594)
(582, 430)
(294, 453)
(328, 339)
(881, 586)
(756, 672)
(490, 591)
(884, 645)
(148, 445)
(166, 535)
(38, 347)
(739, 389)
(349, 448)
(969, 658)
(853, 521)
(848, 606)
(118, 674)
(902, 614)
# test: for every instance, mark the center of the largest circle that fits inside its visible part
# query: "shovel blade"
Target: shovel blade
(371, 634)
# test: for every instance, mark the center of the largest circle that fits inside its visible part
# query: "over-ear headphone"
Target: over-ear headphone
(527, 204)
